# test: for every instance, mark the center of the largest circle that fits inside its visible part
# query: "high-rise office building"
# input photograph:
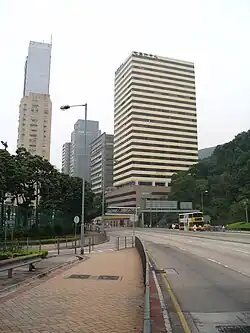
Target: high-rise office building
(79, 160)
(155, 124)
(35, 110)
(37, 69)
(66, 151)
(101, 162)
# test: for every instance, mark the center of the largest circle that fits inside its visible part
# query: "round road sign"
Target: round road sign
(76, 219)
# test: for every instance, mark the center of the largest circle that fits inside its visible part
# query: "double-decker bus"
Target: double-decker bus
(191, 221)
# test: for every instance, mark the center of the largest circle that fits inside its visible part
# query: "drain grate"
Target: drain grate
(109, 277)
(170, 271)
(233, 329)
(79, 276)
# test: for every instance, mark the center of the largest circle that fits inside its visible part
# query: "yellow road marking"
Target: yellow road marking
(172, 296)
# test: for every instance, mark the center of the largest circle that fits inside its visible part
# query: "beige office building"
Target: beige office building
(155, 124)
(34, 128)
(35, 110)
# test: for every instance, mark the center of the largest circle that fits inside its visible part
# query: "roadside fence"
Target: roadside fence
(145, 266)
(124, 242)
(58, 243)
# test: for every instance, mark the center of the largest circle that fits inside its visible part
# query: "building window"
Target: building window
(145, 183)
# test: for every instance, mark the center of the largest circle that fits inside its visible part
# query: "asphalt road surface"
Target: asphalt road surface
(209, 274)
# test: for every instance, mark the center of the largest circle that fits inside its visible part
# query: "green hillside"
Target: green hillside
(225, 175)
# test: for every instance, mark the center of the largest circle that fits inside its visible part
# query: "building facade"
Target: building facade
(37, 68)
(66, 151)
(131, 195)
(79, 156)
(155, 124)
(101, 162)
(35, 109)
(34, 128)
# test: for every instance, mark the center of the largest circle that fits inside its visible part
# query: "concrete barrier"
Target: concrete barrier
(145, 267)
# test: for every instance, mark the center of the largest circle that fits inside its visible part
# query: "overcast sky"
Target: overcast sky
(91, 38)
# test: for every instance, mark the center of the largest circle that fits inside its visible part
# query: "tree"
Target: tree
(29, 178)
(226, 177)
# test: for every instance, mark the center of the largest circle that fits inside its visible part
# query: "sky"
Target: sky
(92, 38)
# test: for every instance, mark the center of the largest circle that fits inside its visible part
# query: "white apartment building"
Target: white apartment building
(35, 110)
(155, 124)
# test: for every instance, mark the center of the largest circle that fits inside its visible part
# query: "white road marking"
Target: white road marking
(101, 251)
(181, 248)
(241, 251)
(226, 266)
(163, 306)
(215, 261)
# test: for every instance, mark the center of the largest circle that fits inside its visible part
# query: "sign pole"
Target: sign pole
(76, 221)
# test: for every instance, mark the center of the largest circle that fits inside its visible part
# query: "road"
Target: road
(209, 274)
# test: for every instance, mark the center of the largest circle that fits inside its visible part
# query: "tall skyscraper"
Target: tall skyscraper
(79, 161)
(155, 124)
(35, 110)
(101, 162)
(66, 151)
(37, 69)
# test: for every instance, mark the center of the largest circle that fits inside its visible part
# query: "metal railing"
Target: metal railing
(58, 243)
(145, 266)
(124, 242)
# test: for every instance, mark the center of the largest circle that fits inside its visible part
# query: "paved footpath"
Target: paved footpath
(62, 304)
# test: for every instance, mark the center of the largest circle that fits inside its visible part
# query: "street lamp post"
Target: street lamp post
(202, 199)
(103, 180)
(5, 144)
(66, 107)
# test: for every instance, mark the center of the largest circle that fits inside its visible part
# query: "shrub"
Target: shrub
(9, 254)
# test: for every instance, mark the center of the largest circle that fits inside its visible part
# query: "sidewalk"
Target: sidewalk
(63, 304)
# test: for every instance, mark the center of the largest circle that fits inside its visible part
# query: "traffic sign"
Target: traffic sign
(122, 210)
(134, 218)
(76, 219)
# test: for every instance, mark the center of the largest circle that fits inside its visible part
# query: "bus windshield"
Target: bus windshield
(197, 214)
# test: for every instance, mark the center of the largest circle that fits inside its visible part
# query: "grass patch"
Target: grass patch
(239, 226)
(21, 253)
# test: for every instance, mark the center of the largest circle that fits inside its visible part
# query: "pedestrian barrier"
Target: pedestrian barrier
(145, 267)
(58, 243)
(89, 242)
(10, 264)
(124, 242)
